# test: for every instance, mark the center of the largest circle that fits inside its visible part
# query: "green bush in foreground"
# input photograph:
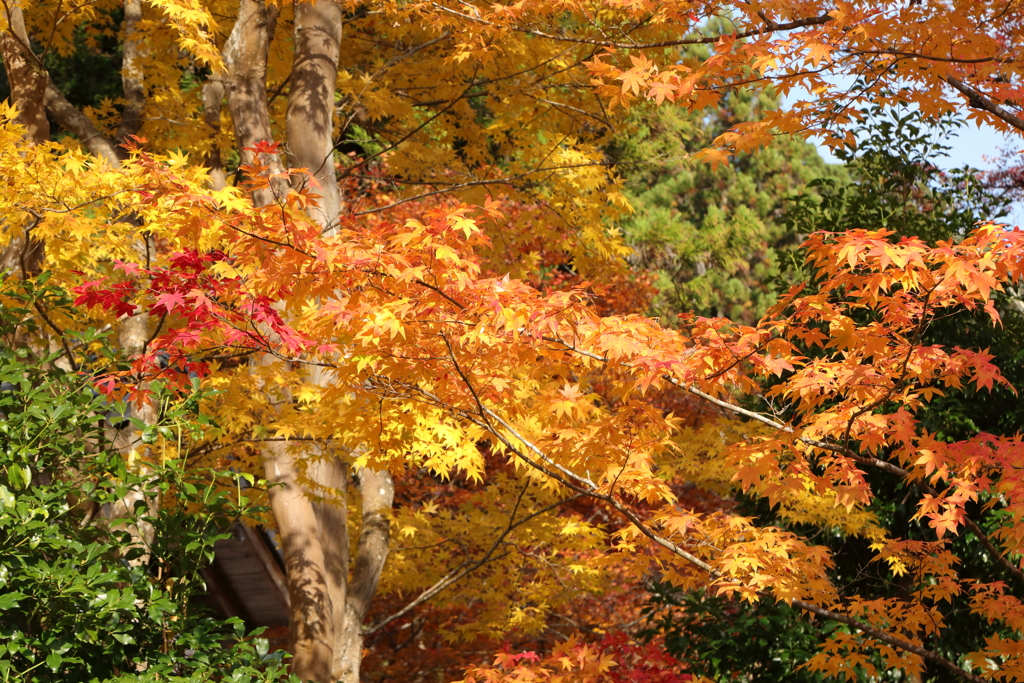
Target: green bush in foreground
(82, 598)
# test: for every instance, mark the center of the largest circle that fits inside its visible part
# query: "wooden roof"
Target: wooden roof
(246, 579)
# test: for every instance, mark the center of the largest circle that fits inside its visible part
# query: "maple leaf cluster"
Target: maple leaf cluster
(433, 357)
(456, 335)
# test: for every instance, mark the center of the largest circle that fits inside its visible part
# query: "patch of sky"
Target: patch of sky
(971, 145)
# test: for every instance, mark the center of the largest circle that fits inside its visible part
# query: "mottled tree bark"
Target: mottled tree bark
(312, 619)
(377, 494)
(133, 80)
(329, 477)
(27, 79)
(310, 127)
(213, 94)
(310, 121)
(245, 56)
(310, 145)
(25, 74)
(310, 514)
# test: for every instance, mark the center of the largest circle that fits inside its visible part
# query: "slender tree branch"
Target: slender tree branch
(889, 640)
(824, 445)
(583, 486)
(979, 101)
(77, 123)
(474, 183)
(466, 568)
(771, 28)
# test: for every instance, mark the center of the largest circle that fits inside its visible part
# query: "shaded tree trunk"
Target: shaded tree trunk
(23, 254)
(310, 120)
(245, 56)
(26, 76)
(330, 477)
(213, 94)
(309, 485)
(310, 126)
(377, 495)
(133, 80)
(312, 619)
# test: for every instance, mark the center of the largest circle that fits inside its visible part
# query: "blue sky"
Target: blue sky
(977, 147)
(973, 145)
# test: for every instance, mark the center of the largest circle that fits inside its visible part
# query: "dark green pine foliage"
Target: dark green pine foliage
(894, 183)
(80, 602)
(712, 236)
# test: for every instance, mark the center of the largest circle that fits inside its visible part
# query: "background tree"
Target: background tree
(712, 234)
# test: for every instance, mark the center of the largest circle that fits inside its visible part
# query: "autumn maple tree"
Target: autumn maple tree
(337, 230)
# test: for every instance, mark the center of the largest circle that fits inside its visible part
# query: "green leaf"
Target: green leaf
(9, 600)
(19, 476)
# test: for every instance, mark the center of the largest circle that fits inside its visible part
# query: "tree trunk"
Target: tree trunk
(245, 56)
(312, 524)
(330, 476)
(312, 619)
(377, 494)
(132, 76)
(25, 75)
(27, 80)
(310, 120)
(213, 94)
(308, 488)
(310, 126)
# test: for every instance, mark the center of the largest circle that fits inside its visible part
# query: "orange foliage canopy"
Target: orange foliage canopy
(442, 362)
(433, 358)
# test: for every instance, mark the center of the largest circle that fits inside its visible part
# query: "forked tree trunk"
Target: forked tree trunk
(310, 126)
(312, 534)
(309, 486)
